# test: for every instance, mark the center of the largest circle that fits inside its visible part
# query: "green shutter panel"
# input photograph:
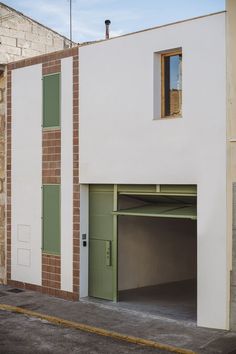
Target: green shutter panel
(51, 100)
(51, 219)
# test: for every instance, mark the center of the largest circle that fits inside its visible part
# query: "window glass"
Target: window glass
(172, 82)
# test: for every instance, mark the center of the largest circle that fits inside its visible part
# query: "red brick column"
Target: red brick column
(51, 167)
(51, 174)
(51, 276)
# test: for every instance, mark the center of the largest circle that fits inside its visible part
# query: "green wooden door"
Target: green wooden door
(102, 263)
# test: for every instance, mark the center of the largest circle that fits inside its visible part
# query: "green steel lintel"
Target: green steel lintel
(182, 189)
(160, 193)
(162, 211)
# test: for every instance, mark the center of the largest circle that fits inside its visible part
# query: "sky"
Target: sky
(125, 15)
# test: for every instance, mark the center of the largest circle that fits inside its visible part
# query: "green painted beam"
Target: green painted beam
(170, 189)
(179, 211)
(136, 188)
(179, 188)
(159, 193)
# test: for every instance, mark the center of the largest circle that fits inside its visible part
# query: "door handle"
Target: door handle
(108, 253)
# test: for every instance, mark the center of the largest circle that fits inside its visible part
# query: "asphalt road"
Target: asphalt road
(22, 334)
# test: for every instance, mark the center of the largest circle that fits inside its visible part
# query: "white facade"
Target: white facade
(124, 141)
(26, 240)
(26, 199)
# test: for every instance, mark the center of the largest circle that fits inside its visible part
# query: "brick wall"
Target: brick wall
(2, 175)
(51, 156)
(51, 67)
(51, 172)
(51, 273)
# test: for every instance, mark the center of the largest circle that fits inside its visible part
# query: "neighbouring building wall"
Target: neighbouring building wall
(231, 140)
(21, 37)
(231, 79)
(38, 159)
(233, 273)
(122, 143)
(2, 174)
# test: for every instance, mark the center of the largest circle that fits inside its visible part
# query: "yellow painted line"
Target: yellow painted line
(96, 330)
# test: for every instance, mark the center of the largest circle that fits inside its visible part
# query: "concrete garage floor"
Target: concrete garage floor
(177, 300)
(182, 334)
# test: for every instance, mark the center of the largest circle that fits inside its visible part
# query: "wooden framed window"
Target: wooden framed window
(171, 82)
(51, 100)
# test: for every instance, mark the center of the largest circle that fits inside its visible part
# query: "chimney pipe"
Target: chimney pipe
(107, 23)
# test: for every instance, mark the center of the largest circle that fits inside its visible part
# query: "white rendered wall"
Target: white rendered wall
(26, 174)
(67, 174)
(120, 142)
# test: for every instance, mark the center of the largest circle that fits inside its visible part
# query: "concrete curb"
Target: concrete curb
(96, 330)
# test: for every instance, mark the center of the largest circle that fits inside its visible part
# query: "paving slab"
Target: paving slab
(182, 334)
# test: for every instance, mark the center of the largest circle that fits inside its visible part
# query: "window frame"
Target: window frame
(163, 96)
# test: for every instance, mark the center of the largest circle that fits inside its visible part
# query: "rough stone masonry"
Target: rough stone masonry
(2, 175)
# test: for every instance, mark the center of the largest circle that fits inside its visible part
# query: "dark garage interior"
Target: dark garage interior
(157, 257)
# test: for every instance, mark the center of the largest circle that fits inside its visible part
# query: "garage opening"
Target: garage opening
(157, 254)
(143, 248)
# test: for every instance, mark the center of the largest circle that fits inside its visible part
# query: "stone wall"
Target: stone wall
(2, 176)
(21, 37)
